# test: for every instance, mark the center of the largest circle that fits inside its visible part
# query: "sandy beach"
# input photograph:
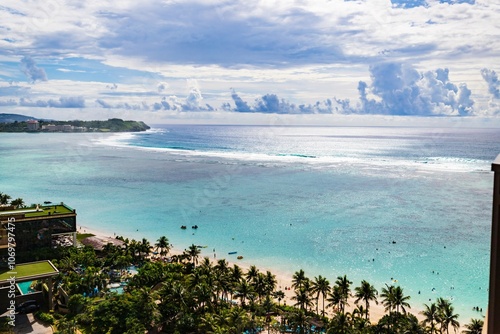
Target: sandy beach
(284, 279)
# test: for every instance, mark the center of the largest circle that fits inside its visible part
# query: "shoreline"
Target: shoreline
(283, 279)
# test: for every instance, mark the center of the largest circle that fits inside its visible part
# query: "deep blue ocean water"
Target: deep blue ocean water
(393, 205)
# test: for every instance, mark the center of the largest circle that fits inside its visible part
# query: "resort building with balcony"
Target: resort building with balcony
(42, 226)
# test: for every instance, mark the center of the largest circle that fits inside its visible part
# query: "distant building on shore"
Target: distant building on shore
(33, 125)
(63, 128)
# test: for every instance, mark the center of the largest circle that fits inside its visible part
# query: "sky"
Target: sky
(215, 61)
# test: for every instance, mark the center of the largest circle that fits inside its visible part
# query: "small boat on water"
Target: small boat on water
(231, 253)
(239, 257)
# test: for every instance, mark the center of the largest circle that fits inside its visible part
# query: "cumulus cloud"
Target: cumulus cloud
(67, 102)
(14, 90)
(103, 103)
(161, 87)
(195, 32)
(29, 103)
(6, 103)
(123, 105)
(62, 102)
(194, 98)
(491, 79)
(192, 102)
(32, 71)
(241, 105)
(395, 89)
(271, 103)
(398, 89)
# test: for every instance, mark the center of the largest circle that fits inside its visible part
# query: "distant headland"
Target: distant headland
(22, 123)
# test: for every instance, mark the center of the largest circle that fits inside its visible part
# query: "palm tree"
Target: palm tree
(431, 315)
(4, 199)
(367, 293)
(193, 253)
(320, 286)
(303, 298)
(212, 324)
(359, 312)
(18, 203)
(222, 278)
(243, 291)
(334, 299)
(163, 246)
(67, 326)
(222, 267)
(270, 282)
(343, 286)
(203, 295)
(298, 320)
(388, 298)
(235, 276)
(268, 305)
(279, 295)
(224, 284)
(298, 279)
(144, 248)
(259, 285)
(206, 266)
(360, 323)
(475, 327)
(133, 248)
(236, 273)
(447, 316)
(341, 323)
(237, 320)
(252, 273)
(400, 300)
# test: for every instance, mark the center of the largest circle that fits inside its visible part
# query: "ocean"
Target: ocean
(392, 205)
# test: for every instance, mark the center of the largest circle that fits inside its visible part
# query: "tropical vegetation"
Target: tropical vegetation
(184, 293)
(97, 292)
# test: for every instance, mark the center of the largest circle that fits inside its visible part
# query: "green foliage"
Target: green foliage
(474, 327)
(119, 314)
(14, 127)
(5, 327)
(199, 296)
(66, 326)
(81, 236)
(112, 125)
(46, 318)
(76, 304)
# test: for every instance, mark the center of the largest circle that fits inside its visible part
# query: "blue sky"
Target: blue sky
(214, 61)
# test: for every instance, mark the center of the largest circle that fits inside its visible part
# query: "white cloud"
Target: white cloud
(294, 56)
(32, 71)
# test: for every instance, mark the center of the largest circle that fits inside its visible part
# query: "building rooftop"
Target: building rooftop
(29, 271)
(35, 212)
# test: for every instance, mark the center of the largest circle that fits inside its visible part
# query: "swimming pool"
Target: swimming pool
(25, 287)
(117, 287)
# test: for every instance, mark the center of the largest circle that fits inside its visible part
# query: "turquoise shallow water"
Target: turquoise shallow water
(384, 204)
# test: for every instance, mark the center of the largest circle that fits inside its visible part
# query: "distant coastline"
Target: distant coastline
(35, 125)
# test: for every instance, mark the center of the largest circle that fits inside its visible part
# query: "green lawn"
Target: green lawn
(28, 269)
(81, 236)
(53, 210)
